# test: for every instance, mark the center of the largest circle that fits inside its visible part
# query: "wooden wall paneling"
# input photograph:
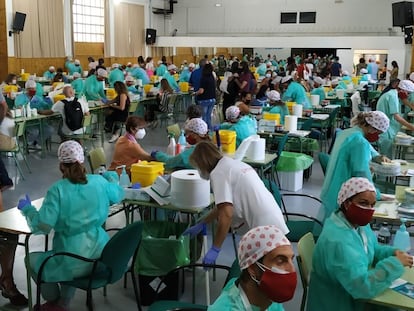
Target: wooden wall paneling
(35, 65)
(3, 41)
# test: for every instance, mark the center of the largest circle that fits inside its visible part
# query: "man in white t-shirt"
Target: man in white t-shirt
(242, 200)
(60, 107)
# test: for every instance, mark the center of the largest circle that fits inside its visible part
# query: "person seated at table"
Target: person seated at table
(161, 69)
(140, 74)
(94, 89)
(116, 74)
(242, 199)
(261, 98)
(193, 111)
(127, 150)
(170, 76)
(57, 82)
(11, 81)
(196, 130)
(130, 83)
(50, 73)
(295, 92)
(266, 260)
(318, 88)
(42, 106)
(73, 67)
(364, 75)
(78, 83)
(277, 105)
(77, 221)
(244, 126)
(346, 76)
(349, 266)
(118, 110)
(162, 103)
(389, 104)
(7, 128)
(246, 97)
(406, 96)
(351, 155)
(59, 107)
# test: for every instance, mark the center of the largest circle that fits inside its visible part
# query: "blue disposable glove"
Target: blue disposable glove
(104, 100)
(24, 202)
(154, 154)
(211, 256)
(194, 230)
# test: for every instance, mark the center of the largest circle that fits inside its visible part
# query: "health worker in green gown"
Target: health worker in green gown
(348, 265)
(318, 88)
(75, 207)
(244, 126)
(78, 84)
(278, 106)
(351, 155)
(268, 277)
(94, 89)
(389, 104)
(295, 92)
(116, 74)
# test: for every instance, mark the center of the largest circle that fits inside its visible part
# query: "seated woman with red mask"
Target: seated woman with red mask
(349, 266)
(268, 277)
(196, 130)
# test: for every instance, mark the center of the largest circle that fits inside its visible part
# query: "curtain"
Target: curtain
(43, 30)
(129, 30)
(107, 40)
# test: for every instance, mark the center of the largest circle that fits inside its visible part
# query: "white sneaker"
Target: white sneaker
(114, 138)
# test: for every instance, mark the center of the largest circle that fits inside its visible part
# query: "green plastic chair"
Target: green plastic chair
(306, 246)
(107, 269)
(167, 305)
(323, 160)
(298, 223)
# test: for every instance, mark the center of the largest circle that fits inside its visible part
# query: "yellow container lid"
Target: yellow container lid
(184, 86)
(290, 104)
(10, 88)
(25, 76)
(271, 116)
(147, 167)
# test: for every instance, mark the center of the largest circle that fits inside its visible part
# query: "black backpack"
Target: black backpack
(73, 114)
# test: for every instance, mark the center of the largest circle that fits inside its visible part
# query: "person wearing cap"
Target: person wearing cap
(261, 96)
(406, 96)
(185, 74)
(361, 65)
(244, 126)
(278, 106)
(59, 107)
(116, 74)
(349, 266)
(78, 83)
(77, 219)
(295, 92)
(364, 75)
(127, 150)
(372, 69)
(50, 73)
(242, 199)
(268, 277)
(170, 76)
(346, 76)
(195, 131)
(161, 69)
(130, 83)
(129, 67)
(73, 67)
(140, 74)
(350, 156)
(43, 107)
(318, 88)
(94, 89)
(389, 104)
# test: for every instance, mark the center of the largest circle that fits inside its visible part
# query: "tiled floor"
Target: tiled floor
(45, 171)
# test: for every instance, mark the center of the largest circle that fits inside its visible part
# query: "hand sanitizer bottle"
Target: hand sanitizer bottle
(402, 238)
(172, 145)
(124, 181)
(182, 141)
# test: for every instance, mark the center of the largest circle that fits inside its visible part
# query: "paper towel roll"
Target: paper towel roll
(340, 94)
(189, 190)
(244, 146)
(315, 100)
(256, 151)
(291, 123)
(297, 110)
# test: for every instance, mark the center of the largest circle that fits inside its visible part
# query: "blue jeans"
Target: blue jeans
(207, 108)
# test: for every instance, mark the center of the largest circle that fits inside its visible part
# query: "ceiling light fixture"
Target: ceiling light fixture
(218, 5)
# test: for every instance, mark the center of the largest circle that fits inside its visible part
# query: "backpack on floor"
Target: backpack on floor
(73, 114)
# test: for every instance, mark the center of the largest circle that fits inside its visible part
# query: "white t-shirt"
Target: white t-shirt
(60, 107)
(236, 182)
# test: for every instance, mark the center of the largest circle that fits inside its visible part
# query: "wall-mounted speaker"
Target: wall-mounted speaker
(150, 36)
(402, 14)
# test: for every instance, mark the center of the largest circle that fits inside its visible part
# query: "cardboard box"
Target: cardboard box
(291, 181)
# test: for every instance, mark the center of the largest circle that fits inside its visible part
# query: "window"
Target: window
(288, 18)
(307, 17)
(88, 20)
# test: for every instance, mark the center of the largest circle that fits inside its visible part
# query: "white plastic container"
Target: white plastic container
(291, 181)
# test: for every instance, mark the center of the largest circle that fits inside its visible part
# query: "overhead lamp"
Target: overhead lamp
(218, 5)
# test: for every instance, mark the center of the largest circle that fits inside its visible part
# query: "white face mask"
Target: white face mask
(140, 134)
(14, 81)
(268, 75)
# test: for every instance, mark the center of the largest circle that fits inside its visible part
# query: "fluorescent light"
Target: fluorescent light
(218, 4)
(117, 2)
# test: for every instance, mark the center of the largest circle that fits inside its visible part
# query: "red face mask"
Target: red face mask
(191, 140)
(358, 215)
(372, 137)
(31, 93)
(278, 285)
